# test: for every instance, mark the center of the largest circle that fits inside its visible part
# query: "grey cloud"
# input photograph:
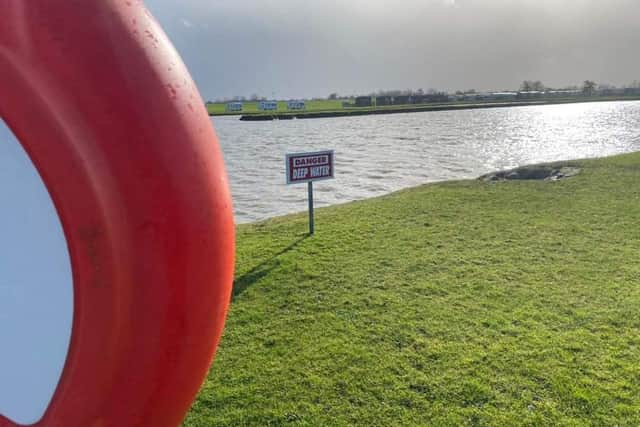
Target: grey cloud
(290, 48)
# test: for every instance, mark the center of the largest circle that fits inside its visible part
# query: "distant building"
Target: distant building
(439, 97)
(502, 96)
(530, 94)
(429, 98)
(383, 100)
(296, 105)
(363, 101)
(234, 106)
(469, 96)
(402, 99)
(563, 93)
(268, 105)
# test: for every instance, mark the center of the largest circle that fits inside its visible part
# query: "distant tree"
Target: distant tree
(420, 92)
(537, 86)
(588, 87)
(526, 86)
(333, 96)
(254, 97)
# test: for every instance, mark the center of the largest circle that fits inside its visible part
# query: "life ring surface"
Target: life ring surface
(111, 119)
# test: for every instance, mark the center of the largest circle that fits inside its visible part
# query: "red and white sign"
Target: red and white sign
(307, 167)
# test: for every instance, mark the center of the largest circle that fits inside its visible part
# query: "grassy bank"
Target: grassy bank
(220, 109)
(461, 303)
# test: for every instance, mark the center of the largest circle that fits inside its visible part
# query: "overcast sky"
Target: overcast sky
(305, 48)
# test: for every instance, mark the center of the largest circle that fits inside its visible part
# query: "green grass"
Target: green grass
(456, 304)
(219, 109)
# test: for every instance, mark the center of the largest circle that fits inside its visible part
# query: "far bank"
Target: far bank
(403, 109)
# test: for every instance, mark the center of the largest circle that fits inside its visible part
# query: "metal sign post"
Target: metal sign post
(311, 222)
(309, 167)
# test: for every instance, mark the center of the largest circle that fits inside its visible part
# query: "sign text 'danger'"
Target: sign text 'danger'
(305, 167)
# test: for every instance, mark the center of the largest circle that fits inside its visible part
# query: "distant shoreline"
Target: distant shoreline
(366, 111)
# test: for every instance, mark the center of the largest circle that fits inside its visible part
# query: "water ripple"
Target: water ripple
(379, 154)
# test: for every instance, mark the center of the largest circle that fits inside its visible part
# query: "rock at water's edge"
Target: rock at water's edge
(548, 172)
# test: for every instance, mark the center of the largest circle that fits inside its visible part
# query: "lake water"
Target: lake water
(380, 154)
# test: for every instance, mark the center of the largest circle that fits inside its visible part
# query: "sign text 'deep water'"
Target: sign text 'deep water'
(307, 167)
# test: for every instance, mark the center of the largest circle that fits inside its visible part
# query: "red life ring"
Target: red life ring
(110, 117)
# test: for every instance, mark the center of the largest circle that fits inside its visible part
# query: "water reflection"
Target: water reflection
(380, 154)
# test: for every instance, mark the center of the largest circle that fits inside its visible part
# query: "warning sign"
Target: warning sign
(308, 167)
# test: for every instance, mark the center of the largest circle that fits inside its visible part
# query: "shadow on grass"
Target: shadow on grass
(242, 283)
